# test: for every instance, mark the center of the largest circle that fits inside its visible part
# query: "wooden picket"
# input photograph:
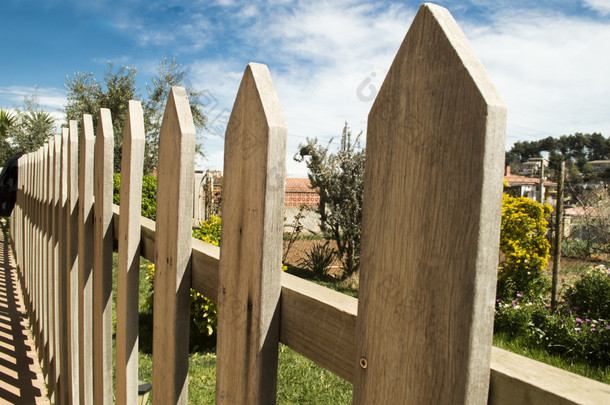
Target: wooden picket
(173, 255)
(128, 265)
(102, 260)
(429, 265)
(421, 328)
(250, 275)
(85, 261)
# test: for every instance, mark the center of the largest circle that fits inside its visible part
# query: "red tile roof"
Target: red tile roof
(297, 185)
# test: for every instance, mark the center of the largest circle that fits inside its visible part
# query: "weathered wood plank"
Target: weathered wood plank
(428, 265)
(50, 365)
(56, 263)
(63, 272)
(173, 257)
(45, 259)
(102, 260)
(85, 261)
(72, 256)
(519, 380)
(37, 285)
(251, 252)
(320, 324)
(128, 268)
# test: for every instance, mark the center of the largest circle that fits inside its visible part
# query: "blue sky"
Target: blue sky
(549, 59)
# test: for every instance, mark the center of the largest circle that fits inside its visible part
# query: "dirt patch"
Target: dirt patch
(300, 248)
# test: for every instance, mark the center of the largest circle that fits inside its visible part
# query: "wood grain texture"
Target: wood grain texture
(251, 252)
(520, 380)
(85, 261)
(45, 259)
(72, 256)
(173, 257)
(320, 324)
(428, 267)
(49, 281)
(102, 260)
(56, 262)
(128, 266)
(63, 273)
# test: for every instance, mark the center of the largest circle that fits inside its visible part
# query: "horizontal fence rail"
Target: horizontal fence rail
(422, 256)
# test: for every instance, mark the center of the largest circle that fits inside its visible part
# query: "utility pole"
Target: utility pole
(558, 234)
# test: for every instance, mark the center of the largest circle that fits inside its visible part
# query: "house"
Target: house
(529, 186)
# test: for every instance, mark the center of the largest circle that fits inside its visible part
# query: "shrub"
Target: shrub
(524, 248)
(591, 294)
(209, 231)
(567, 333)
(318, 259)
(149, 195)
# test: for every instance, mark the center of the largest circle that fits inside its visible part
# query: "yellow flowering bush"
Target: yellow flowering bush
(523, 246)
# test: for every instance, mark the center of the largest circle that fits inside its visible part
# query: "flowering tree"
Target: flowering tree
(523, 247)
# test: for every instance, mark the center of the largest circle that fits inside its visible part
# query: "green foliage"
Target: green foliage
(318, 259)
(567, 333)
(169, 73)
(591, 294)
(25, 130)
(338, 179)
(574, 247)
(209, 230)
(523, 246)
(86, 95)
(7, 120)
(577, 150)
(149, 195)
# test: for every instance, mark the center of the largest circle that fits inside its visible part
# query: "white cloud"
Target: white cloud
(551, 68)
(601, 6)
(51, 99)
(551, 71)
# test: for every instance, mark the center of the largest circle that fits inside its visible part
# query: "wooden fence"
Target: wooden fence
(421, 330)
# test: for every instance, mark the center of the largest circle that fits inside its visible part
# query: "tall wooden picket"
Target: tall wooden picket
(50, 311)
(435, 136)
(102, 261)
(56, 261)
(250, 266)
(64, 295)
(85, 261)
(45, 257)
(173, 251)
(128, 266)
(72, 257)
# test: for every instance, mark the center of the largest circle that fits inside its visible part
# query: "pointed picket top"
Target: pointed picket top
(431, 223)
(250, 265)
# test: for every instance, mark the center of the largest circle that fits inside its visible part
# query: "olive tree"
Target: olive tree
(338, 178)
